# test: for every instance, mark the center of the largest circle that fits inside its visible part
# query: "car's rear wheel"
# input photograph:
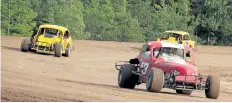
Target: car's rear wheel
(212, 87)
(58, 49)
(155, 80)
(186, 92)
(25, 44)
(126, 79)
(67, 51)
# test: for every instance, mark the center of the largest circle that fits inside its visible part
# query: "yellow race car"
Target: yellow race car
(180, 37)
(50, 38)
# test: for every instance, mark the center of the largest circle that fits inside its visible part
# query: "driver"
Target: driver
(179, 39)
(168, 51)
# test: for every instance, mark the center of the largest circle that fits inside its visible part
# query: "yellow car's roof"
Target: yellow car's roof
(177, 32)
(63, 29)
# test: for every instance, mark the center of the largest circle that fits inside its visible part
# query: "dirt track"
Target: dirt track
(89, 74)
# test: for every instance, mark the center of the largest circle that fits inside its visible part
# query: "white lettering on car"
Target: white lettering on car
(144, 66)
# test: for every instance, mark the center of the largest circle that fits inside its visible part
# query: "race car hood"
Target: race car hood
(180, 65)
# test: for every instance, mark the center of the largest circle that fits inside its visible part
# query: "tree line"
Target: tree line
(208, 21)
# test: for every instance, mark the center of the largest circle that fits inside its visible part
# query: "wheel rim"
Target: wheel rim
(120, 77)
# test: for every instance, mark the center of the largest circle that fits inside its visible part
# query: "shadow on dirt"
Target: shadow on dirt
(114, 87)
(160, 92)
(25, 97)
(135, 48)
(169, 93)
(10, 48)
(18, 49)
(86, 83)
(4, 99)
(42, 53)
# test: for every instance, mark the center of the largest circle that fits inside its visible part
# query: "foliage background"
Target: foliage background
(208, 21)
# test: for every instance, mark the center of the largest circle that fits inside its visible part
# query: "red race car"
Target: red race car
(166, 65)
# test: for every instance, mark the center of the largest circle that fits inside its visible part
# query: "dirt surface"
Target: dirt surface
(89, 74)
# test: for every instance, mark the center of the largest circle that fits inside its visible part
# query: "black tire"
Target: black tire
(155, 80)
(126, 79)
(186, 92)
(32, 50)
(212, 87)
(24, 45)
(67, 51)
(58, 50)
(31, 41)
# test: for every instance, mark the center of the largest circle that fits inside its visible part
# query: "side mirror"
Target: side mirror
(188, 54)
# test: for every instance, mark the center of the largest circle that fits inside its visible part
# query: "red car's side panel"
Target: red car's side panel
(145, 67)
(147, 61)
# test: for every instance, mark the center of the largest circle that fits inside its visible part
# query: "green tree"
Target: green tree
(216, 20)
(17, 15)
(171, 17)
(45, 10)
(126, 28)
(143, 11)
(68, 13)
(99, 19)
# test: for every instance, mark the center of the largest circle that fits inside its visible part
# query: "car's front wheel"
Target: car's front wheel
(155, 80)
(212, 87)
(58, 49)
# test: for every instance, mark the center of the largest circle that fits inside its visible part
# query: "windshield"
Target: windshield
(167, 35)
(50, 33)
(172, 52)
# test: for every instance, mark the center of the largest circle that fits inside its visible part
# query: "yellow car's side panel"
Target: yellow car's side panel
(189, 43)
(66, 42)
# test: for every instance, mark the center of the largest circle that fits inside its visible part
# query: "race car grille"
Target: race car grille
(42, 47)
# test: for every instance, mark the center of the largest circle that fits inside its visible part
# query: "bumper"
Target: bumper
(190, 82)
(42, 46)
(187, 79)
